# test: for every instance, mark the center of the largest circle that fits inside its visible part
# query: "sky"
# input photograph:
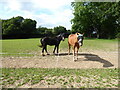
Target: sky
(47, 13)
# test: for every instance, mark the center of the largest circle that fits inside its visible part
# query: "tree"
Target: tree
(98, 17)
(12, 26)
(59, 29)
(48, 32)
(43, 31)
(18, 27)
(28, 26)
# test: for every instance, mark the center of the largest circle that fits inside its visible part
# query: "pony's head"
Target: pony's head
(80, 38)
(62, 36)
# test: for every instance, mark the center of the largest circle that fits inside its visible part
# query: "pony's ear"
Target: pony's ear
(77, 33)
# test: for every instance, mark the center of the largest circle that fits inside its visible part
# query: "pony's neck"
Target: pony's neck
(59, 37)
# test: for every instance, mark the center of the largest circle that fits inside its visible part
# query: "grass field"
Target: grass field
(63, 78)
(56, 77)
(28, 47)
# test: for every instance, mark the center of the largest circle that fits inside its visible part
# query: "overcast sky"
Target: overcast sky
(47, 13)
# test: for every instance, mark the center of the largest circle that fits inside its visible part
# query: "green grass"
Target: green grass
(101, 44)
(20, 45)
(29, 47)
(83, 78)
(64, 77)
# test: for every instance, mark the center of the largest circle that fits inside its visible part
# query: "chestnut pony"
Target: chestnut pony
(76, 41)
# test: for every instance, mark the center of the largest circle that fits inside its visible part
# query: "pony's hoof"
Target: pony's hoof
(48, 54)
(75, 60)
(57, 53)
(43, 55)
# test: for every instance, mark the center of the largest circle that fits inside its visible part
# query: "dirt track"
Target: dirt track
(96, 59)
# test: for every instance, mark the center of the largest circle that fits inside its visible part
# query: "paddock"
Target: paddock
(23, 66)
(94, 59)
(94, 54)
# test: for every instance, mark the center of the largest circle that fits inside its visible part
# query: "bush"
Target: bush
(118, 35)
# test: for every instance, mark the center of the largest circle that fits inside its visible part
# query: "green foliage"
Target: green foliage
(18, 26)
(118, 35)
(102, 18)
(12, 26)
(41, 30)
(28, 26)
(44, 31)
(59, 29)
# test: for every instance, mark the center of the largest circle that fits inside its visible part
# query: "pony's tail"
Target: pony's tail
(40, 46)
(41, 43)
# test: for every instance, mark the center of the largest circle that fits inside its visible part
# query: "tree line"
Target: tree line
(100, 19)
(94, 19)
(18, 27)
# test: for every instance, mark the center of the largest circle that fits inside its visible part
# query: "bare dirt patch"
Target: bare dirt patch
(94, 59)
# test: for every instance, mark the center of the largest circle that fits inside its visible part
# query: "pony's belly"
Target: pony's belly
(51, 44)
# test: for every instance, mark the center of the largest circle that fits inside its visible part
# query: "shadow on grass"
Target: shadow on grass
(91, 57)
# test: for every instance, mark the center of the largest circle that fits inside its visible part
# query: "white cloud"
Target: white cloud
(13, 5)
(60, 11)
(50, 4)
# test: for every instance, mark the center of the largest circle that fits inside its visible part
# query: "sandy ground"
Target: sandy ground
(94, 59)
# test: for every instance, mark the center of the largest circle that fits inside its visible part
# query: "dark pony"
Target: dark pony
(51, 41)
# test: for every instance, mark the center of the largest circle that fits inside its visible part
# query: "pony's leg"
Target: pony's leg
(43, 51)
(46, 50)
(73, 53)
(57, 49)
(69, 49)
(77, 52)
(54, 49)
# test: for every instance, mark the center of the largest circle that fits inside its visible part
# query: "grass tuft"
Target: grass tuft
(77, 78)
